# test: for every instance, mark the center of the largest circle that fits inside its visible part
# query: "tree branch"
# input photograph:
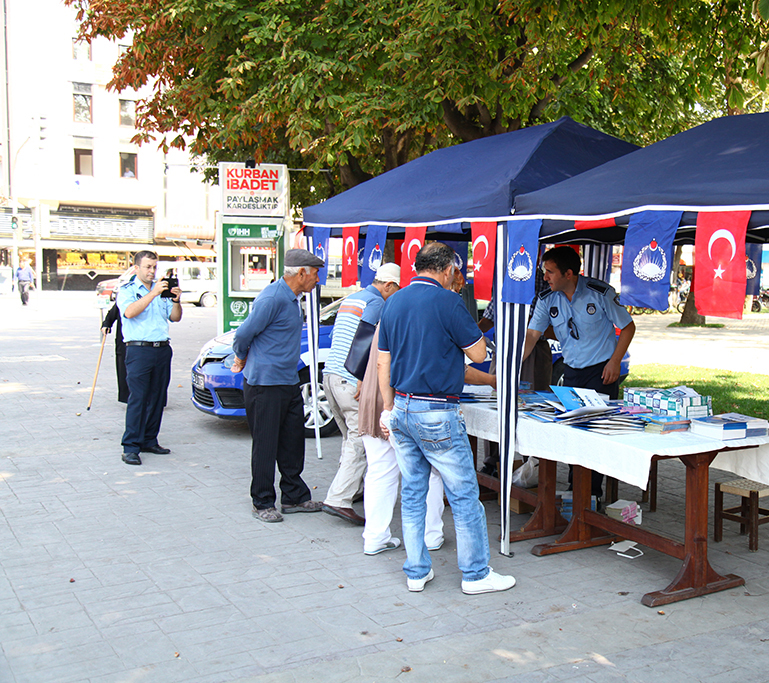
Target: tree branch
(558, 80)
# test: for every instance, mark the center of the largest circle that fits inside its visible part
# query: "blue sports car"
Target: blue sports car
(218, 391)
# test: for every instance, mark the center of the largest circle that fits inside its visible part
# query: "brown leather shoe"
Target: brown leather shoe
(345, 513)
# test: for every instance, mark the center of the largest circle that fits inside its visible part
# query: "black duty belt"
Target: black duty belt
(435, 398)
(153, 344)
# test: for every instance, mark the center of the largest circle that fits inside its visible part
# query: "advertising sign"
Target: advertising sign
(258, 191)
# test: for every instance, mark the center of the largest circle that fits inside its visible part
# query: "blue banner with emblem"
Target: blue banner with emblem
(320, 249)
(646, 260)
(460, 255)
(753, 254)
(373, 253)
(521, 261)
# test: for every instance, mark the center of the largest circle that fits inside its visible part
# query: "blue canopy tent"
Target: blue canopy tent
(476, 181)
(721, 165)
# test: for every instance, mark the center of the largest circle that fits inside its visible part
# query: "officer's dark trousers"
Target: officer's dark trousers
(276, 419)
(148, 371)
(590, 378)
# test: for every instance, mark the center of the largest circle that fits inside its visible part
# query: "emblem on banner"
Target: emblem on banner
(458, 262)
(651, 263)
(750, 268)
(320, 252)
(375, 258)
(360, 256)
(239, 308)
(519, 267)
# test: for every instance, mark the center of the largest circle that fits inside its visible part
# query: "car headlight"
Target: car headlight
(228, 361)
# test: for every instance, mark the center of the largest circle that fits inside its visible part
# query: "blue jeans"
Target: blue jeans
(425, 434)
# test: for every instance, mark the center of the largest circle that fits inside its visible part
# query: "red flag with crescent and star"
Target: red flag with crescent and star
(719, 257)
(349, 256)
(413, 242)
(484, 250)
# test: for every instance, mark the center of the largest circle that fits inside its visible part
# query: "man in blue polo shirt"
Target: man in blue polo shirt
(342, 388)
(424, 335)
(583, 312)
(267, 348)
(145, 311)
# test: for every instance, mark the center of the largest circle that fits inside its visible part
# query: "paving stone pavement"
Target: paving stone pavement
(159, 573)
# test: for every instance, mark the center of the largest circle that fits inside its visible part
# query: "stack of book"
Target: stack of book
(625, 511)
(720, 427)
(755, 426)
(664, 424)
(581, 408)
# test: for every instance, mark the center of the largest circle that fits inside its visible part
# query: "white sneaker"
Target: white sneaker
(491, 583)
(418, 585)
(392, 544)
(437, 546)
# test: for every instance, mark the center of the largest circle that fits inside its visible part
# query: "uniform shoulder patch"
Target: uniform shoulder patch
(546, 293)
(598, 286)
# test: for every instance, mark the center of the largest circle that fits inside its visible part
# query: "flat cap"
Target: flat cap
(302, 257)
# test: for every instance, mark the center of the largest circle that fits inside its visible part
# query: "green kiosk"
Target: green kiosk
(250, 235)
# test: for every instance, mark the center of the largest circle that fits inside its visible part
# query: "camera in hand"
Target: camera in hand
(172, 282)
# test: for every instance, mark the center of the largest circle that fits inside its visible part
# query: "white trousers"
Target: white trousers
(381, 486)
(352, 462)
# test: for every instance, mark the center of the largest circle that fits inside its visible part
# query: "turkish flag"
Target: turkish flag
(484, 250)
(350, 256)
(719, 254)
(414, 241)
(398, 250)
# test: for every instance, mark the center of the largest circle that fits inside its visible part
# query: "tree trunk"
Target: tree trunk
(690, 315)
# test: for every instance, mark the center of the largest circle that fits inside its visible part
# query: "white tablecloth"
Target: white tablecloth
(626, 457)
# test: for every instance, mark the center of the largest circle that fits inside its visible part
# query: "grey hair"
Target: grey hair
(290, 271)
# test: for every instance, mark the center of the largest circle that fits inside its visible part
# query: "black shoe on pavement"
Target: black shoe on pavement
(132, 459)
(157, 450)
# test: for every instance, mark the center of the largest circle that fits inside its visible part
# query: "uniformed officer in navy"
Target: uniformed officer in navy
(144, 316)
(583, 312)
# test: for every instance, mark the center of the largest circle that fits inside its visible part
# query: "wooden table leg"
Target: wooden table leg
(696, 577)
(579, 534)
(546, 520)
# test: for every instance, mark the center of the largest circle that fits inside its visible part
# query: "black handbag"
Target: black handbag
(357, 356)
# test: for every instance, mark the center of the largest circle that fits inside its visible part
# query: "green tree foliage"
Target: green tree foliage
(351, 89)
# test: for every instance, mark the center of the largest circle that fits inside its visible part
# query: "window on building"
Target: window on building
(81, 50)
(84, 162)
(127, 113)
(83, 102)
(128, 165)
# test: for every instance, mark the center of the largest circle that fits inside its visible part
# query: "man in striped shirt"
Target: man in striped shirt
(342, 389)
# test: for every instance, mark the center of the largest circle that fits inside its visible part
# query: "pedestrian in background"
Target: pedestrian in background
(25, 279)
(113, 318)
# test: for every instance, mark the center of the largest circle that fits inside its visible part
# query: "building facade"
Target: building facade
(77, 196)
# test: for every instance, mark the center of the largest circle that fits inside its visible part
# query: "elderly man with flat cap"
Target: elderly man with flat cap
(267, 348)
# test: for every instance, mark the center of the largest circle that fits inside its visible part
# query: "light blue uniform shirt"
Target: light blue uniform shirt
(270, 338)
(152, 323)
(594, 310)
(365, 306)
